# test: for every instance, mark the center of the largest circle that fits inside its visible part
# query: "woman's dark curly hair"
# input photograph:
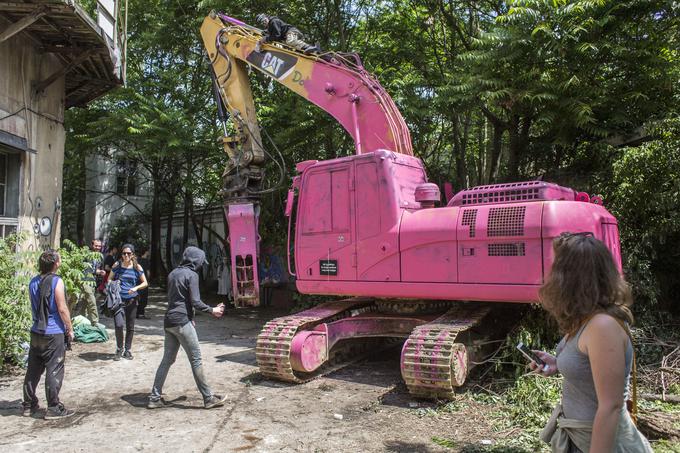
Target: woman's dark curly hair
(584, 280)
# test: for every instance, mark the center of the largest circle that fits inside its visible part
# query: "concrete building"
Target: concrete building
(115, 189)
(53, 56)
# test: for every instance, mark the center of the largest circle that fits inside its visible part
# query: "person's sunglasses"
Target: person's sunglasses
(564, 237)
(126, 253)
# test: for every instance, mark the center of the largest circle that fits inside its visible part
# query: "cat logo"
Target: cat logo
(277, 64)
(272, 64)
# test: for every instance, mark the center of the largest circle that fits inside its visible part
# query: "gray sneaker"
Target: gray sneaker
(156, 404)
(215, 401)
(57, 412)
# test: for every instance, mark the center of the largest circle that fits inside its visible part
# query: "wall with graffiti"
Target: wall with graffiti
(211, 243)
(217, 273)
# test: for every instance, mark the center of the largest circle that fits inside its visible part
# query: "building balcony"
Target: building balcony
(92, 53)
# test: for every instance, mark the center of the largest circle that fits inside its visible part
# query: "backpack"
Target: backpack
(113, 303)
(45, 295)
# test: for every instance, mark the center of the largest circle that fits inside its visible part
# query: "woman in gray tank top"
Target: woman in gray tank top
(589, 298)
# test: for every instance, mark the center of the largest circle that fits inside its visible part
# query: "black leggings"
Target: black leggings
(143, 300)
(125, 318)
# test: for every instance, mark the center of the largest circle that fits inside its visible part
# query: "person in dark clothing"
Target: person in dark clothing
(183, 298)
(277, 30)
(51, 327)
(144, 293)
(109, 260)
(97, 265)
(132, 279)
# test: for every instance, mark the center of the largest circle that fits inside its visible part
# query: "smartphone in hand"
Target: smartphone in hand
(529, 354)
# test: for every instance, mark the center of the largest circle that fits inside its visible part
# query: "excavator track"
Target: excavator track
(274, 341)
(432, 363)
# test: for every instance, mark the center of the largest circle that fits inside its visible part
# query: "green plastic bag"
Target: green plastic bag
(84, 332)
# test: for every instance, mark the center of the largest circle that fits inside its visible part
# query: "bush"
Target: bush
(129, 230)
(16, 270)
(530, 402)
(74, 260)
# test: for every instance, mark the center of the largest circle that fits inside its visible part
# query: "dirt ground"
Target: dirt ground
(361, 408)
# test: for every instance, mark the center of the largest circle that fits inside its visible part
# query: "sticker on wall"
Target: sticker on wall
(328, 267)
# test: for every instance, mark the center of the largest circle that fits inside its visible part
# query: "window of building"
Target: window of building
(10, 166)
(126, 178)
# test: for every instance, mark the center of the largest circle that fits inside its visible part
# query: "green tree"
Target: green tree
(646, 187)
(553, 73)
(163, 121)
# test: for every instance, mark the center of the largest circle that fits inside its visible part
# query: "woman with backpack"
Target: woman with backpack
(132, 279)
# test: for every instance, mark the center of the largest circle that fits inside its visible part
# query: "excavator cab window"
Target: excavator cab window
(408, 179)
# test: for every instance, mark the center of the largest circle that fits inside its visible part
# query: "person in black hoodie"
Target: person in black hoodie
(277, 30)
(183, 298)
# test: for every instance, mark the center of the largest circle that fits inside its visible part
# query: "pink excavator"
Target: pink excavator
(367, 227)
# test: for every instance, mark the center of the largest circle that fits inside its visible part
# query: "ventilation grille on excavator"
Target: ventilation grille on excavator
(515, 192)
(513, 249)
(470, 219)
(502, 196)
(508, 221)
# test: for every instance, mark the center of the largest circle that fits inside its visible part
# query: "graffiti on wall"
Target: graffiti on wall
(44, 224)
(214, 254)
(270, 268)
